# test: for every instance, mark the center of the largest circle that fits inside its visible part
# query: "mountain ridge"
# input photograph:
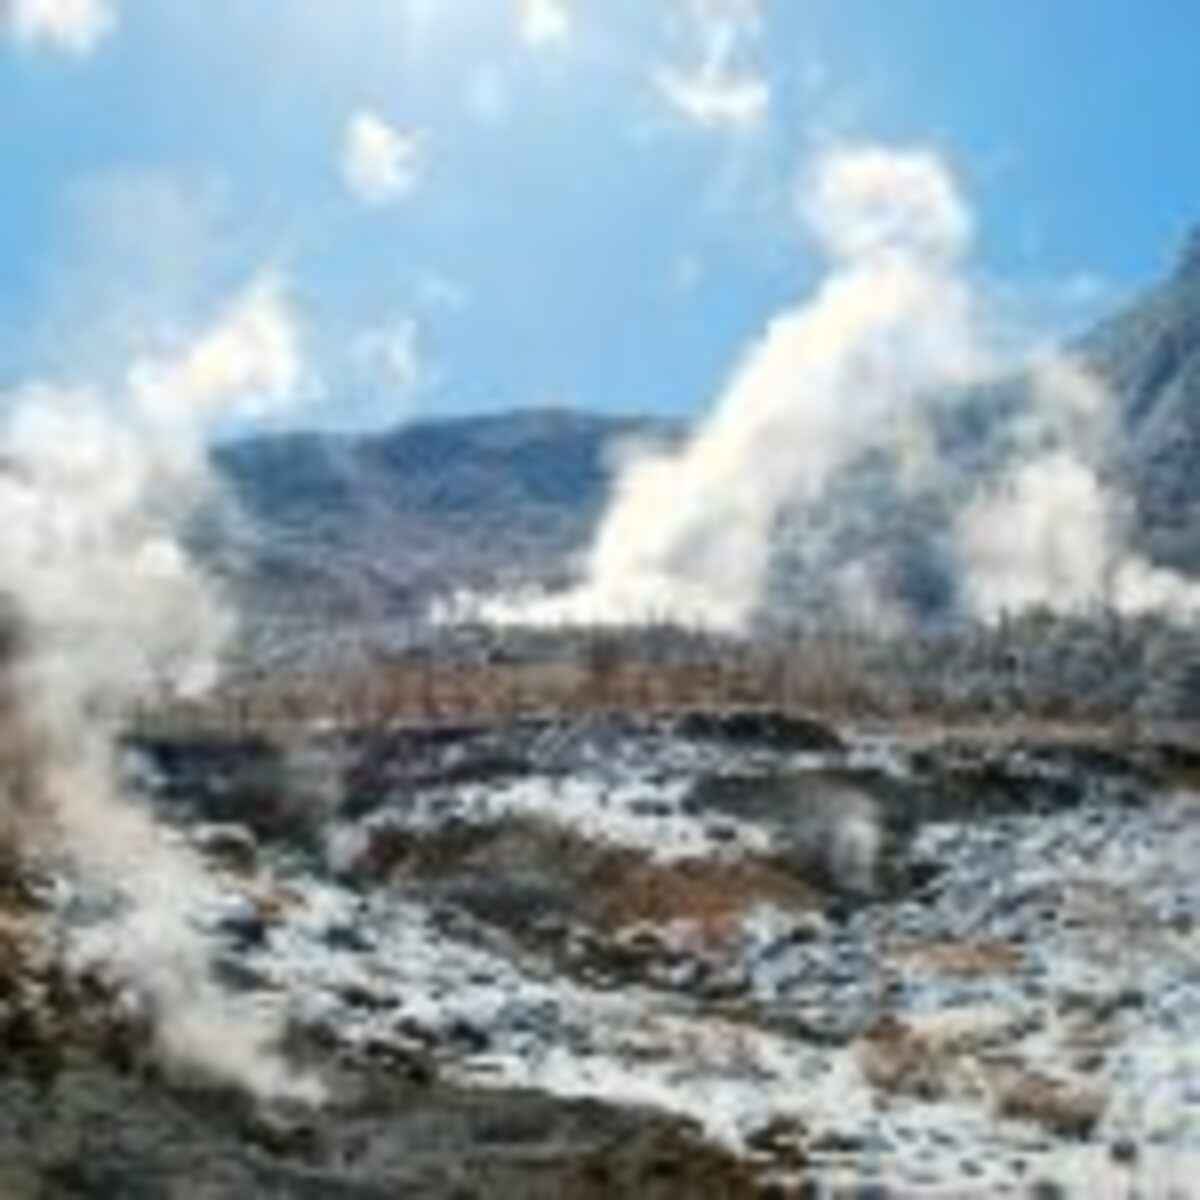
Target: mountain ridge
(374, 525)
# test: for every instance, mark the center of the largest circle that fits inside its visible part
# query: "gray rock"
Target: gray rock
(230, 844)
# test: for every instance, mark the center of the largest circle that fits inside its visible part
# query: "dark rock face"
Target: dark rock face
(102, 1135)
(1189, 254)
(244, 781)
(759, 727)
(1149, 354)
(85, 1114)
(846, 831)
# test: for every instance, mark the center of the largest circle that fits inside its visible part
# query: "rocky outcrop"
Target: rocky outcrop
(640, 916)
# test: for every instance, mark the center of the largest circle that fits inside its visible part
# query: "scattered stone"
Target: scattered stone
(783, 1140)
(1124, 1150)
(718, 832)
(965, 959)
(1065, 1107)
(650, 808)
(349, 938)
(760, 727)
(1047, 1189)
(282, 1135)
(229, 845)
(895, 1058)
(244, 925)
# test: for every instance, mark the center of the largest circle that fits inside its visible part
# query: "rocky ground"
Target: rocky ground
(696, 955)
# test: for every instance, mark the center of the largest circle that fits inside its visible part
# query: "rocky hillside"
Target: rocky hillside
(1150, 354)
(729, 955)
(371, 525)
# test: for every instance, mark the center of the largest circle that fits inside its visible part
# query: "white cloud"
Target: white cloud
(722, 85)
(544, 22)
(380, 164)
(75, 26)
(712, 100)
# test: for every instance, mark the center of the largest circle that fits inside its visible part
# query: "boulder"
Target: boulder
(229, 845)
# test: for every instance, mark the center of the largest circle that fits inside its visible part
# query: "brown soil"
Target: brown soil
(961, 960)
(608, 887)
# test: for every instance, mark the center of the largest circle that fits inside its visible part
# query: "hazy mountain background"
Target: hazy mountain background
(373, 526)
(353, 528)
(1150, 355)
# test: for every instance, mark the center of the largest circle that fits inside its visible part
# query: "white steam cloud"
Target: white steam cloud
(688, 534)
(1049, 533)
(93, 493)
(380, 164)
(865, 366)
(1040, 538)
(74, 26)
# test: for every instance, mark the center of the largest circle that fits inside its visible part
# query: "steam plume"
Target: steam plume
(380, 164)
(93, 494)
(688, 534)
(864, 366)
(1049, 533)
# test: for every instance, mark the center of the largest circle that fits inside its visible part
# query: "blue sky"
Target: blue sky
(481, 204)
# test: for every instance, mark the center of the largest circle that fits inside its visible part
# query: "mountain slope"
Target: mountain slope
(371, 526)
(1149, 353)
